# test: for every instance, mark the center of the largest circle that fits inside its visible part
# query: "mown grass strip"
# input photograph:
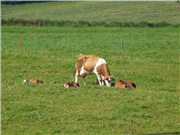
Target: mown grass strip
(99, 11)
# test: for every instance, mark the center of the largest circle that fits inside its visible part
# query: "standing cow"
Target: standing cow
(91, 64)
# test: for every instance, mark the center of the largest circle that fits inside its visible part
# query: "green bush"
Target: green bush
(83, 24)
(162, 24)
(3, 22)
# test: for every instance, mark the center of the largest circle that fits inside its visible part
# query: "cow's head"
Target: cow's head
(109, 80)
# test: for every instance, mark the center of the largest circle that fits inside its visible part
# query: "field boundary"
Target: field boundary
(62, 23)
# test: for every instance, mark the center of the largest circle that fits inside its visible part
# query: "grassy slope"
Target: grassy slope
(96, 11)
(48, 108)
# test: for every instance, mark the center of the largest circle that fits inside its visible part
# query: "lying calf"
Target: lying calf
(71, 84)
(33, 80)
(125, 84)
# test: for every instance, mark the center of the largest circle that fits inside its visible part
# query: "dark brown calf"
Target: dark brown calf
(125, 84)
(71, 84)
(33, 80)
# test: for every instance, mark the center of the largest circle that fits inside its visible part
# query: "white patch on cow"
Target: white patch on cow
(25, 81)
(82, 72)
(67, 86)
(100, 76)
(100, 62)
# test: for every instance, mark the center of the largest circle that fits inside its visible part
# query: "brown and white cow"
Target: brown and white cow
(125, 84)
(91, 64)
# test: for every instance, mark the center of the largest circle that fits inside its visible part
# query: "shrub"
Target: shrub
(162, 24)
(3, 22)
(142, 24)
(150, 24)
(115, 24)
(83, 24)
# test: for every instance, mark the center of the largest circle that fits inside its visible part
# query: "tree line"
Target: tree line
(10, 2)
(21, 2)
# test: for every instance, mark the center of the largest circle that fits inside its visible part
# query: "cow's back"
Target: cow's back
(87, 61)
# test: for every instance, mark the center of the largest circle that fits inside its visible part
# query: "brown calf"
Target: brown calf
(71, 84)
(125, 84)
(33, 80)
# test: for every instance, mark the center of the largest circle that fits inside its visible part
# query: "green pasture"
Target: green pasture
(107, 11)
(150, 58)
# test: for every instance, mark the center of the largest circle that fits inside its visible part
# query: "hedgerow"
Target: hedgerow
(54, 23)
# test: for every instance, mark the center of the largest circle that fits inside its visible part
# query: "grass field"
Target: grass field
(150, 58)
(107, 11)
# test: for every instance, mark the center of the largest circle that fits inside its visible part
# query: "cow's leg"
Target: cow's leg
(76, 76)
(102, 82)
(84, 80)
(99, 79)
(76, 79)
(83, 74)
